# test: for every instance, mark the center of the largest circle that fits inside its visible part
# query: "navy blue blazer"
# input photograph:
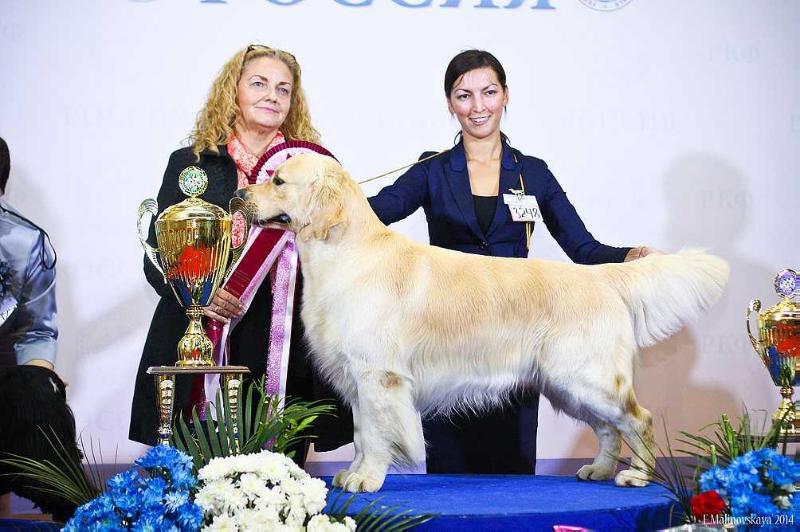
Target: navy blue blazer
(441, 187)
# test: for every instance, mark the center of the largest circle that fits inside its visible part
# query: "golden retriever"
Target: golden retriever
(401, 328)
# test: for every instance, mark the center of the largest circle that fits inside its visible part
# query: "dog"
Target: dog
(402, 329)
(33, 407)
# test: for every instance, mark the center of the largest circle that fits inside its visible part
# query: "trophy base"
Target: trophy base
(192, 370)
(231, 377)
(195, 364)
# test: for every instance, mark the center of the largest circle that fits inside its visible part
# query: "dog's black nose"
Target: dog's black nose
(241, 194)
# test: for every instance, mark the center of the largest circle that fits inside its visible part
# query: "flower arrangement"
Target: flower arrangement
(737, 479)
(263, 491)
(217, 477)
(161, 499)
(759, 483)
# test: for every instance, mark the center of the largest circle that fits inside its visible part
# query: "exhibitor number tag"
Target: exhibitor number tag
(523, 208)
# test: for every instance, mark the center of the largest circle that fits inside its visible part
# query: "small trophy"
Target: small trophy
(778, 346)
(194, 248)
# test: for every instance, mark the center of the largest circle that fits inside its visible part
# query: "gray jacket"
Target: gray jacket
(27, 291)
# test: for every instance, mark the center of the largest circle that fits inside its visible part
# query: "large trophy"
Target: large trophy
(193, 254)
(778, 346)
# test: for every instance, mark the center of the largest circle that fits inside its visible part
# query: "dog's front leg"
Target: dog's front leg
(605, 464)
(389, 430)
(341, 477)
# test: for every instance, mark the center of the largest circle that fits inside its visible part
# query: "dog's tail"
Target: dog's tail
(663, 292)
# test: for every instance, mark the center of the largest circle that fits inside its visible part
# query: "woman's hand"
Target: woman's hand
(41, 363)
(641, 252)
(224, 307)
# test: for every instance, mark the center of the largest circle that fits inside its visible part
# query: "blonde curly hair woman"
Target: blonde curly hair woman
(222, 113)
(255, 103)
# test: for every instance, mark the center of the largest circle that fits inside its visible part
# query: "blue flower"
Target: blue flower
(97, 514)
(190, 516)
(158, 500)
(182, 478)
(124, 483)
(153, 493)
(175, 500)
(164, 457)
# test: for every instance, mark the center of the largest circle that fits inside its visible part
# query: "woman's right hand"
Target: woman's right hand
(224, 307)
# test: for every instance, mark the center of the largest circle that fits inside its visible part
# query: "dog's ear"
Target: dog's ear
(326, 204)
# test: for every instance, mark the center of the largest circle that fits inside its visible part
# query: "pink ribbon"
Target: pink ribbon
(284, 278)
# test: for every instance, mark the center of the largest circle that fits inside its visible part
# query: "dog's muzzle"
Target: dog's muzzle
(282, 219)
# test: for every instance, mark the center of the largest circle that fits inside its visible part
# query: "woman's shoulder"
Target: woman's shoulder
(187, 155)
(433, 159)
(182, 155)
(213, 162)
(530, 160)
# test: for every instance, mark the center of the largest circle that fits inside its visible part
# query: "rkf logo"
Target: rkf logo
(605, 5)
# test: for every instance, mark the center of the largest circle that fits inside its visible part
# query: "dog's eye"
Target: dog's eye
(277, 181)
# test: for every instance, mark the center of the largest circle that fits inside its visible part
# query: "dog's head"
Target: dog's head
(305, 195)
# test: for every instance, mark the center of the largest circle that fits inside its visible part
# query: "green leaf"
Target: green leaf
(202, 440)
(222, 432)
(211, 432)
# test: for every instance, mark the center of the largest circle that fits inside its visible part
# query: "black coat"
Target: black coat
(249, 340)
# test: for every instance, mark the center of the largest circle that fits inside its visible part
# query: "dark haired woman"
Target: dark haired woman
(461, 192)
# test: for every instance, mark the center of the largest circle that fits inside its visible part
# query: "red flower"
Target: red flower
(707, 504)
(791, 346)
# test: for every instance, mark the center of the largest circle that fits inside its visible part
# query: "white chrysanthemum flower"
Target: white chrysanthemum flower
(220, 496)
(257, 520)
(323, 523)
(272, 497)
(314, 494)
(273, 469)
(263, 491)
(215, 469)
(223, 523)
(206, 500)
(297, 514)
(292, 486)
(252, 485)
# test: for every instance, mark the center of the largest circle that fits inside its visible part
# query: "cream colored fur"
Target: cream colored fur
(400, 328)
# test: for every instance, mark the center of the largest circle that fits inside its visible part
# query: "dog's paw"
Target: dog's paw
(632, 477)
(594, 472)
(341, 476)
(356, 482)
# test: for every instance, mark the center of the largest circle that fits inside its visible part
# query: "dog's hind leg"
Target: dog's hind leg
(390, 430)
(613, 411)
(605, 463)
(637, 427)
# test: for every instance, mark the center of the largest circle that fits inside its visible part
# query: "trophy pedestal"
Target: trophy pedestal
(787, 415)
(165, 392)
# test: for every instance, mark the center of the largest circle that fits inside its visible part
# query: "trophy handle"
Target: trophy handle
(149, 206)
(754, 306)
(248, 212)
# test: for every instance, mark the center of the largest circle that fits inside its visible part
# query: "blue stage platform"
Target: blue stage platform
(515, 502)
(505, 502)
